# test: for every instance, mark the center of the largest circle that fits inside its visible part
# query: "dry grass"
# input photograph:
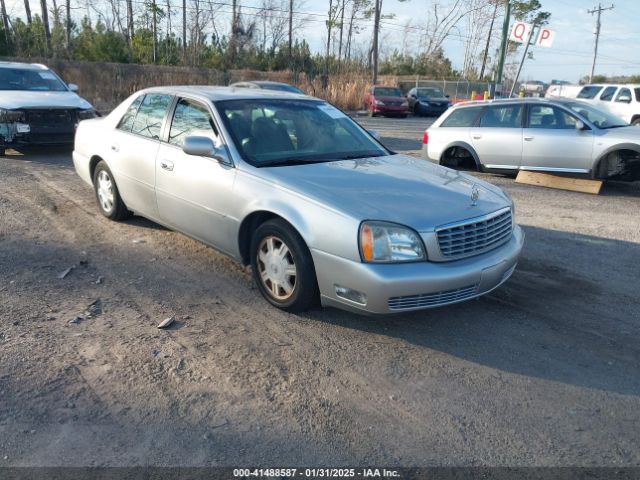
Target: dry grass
(105, 85)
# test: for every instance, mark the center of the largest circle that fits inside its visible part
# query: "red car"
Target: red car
(386, 101)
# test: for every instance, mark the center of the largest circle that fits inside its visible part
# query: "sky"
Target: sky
(569, 58)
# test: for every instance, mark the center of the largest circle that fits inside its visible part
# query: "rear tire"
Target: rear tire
(282, 267)
(109, 201)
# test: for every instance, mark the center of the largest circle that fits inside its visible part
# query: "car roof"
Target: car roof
(25, 66)
(216, 93)
(628, 85)
(509, 101)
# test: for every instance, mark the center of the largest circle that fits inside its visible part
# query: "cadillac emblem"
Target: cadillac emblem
(475, 195)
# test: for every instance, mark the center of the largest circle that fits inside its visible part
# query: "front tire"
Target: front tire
(636, 121)
(109, 201)
(282, 267)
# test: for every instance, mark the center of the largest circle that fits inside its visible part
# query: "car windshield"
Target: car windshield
(387, 92)
(599, 118)
(284, 132)
(281, 87)
(430, 92)
(27, 79)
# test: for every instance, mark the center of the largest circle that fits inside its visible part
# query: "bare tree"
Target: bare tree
(67, 30)
(45, 22)
(274, 24)
(5, 22)
(130, 25)
(442, 19)
(480, 16)
(342, 8)
(184, 30)
(27, 11)
(290, 27)
(357, 7)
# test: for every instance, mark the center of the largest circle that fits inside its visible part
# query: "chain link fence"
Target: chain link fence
(458, 90)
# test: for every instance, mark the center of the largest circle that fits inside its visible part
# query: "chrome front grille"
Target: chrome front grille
(428, 300)
(475, 237)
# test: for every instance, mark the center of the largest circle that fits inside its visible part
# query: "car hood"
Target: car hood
(434, 99)
(394, 188)
(630, 133)
(15, 100)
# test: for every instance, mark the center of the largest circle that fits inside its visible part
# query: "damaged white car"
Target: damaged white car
(37, 107)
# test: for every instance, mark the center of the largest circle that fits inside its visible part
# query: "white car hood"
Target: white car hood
(15, 100)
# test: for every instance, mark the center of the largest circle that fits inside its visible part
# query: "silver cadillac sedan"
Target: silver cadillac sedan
(295, 188)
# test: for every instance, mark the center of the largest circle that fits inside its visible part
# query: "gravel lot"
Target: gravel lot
(544, 371)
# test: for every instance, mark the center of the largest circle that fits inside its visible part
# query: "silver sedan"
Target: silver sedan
(565, 136)
(295, 188)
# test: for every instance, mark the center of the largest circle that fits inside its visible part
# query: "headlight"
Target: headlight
(379, 102)
(405, 104)
(382, 242)
(87, 114)
(11, 116)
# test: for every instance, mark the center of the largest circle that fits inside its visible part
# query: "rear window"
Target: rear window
(589, 91)
(463, 117)
(387, 92)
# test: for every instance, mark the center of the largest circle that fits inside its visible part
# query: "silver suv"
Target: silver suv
(567, 136)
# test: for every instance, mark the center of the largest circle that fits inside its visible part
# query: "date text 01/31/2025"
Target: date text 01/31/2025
(316, 472)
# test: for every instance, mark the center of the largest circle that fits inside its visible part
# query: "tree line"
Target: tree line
(271, 36)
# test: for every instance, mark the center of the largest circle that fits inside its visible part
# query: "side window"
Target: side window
(543, 116)
(127, 119)
(624, 95)
(590, 91)
(191, 118)
(148, 121)
(462, 117)
(607, 95)
(507, 116)
(637, 90)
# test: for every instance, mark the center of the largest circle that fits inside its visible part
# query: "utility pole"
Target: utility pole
(486, 48)
(374, 49)
(503, 47)
(599, 11)
(524, 56)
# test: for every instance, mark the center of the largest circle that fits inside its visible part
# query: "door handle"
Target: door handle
(528, 139)
(166, 165)
(115, 148)
(477, 137)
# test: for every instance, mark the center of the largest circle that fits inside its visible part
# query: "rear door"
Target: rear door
(133, 150)
(194, 193)
(498, 137)
(552, 143)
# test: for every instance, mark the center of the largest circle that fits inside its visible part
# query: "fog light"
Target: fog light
(351, 295)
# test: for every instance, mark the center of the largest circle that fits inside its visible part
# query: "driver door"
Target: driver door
(194, 193)
(552, 142)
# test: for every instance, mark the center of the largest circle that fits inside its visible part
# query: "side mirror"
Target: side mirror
(203, 147)
(447, 96)
(624, 99)
(73, 87)
(580, 125)
(374, 134)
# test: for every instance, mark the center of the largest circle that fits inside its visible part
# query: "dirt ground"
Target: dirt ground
(544, 371)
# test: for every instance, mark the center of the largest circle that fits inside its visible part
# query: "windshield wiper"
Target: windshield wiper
(290, 161)
(614, 126)
(361, 155)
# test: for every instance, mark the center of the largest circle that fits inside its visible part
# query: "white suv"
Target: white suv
(622, 100)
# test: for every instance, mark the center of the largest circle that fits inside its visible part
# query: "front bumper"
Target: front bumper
(397, 288)
(390, 110)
